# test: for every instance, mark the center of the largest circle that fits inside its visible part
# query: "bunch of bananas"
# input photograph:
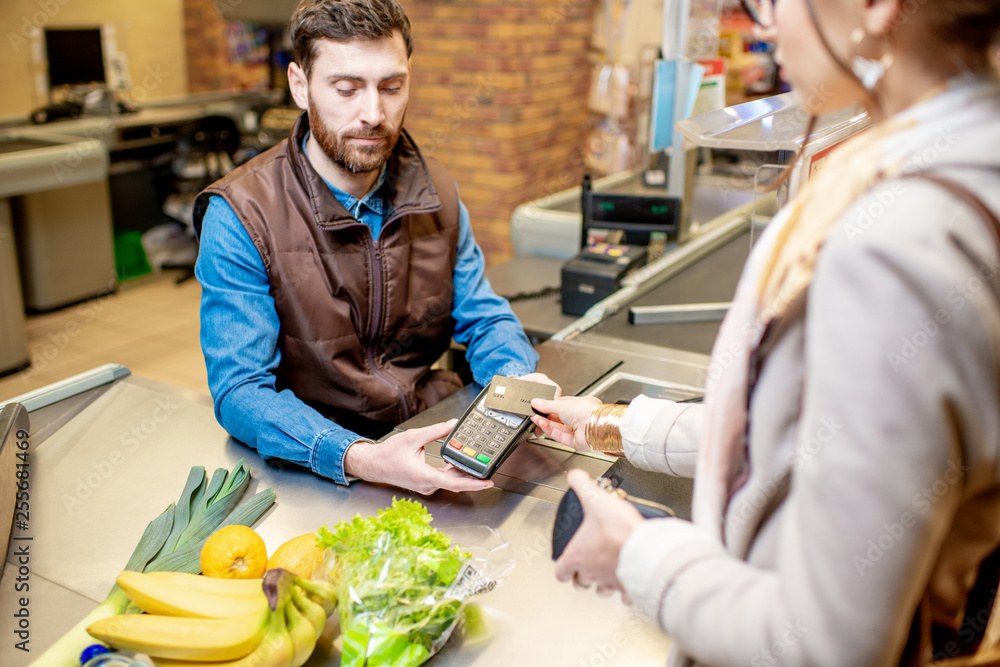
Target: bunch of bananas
(191, 619)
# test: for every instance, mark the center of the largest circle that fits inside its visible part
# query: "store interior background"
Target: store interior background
(506, 93)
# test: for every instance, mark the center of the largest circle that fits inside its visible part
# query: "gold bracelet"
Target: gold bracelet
(602, 430)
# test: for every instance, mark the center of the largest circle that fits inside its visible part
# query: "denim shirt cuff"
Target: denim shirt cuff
(515, 369)
(328, 454)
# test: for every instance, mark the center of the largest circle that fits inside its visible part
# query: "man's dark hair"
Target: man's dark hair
(344, 21)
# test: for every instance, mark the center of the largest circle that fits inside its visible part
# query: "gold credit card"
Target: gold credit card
(513, 395)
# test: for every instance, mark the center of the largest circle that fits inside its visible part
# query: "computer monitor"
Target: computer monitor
(75, 56)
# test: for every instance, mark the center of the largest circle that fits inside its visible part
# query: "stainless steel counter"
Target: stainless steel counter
(105, 463)
(531, 284)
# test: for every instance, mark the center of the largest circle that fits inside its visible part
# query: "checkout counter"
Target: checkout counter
(55, 229)
(105, 462)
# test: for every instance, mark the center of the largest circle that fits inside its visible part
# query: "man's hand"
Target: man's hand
(399, 461)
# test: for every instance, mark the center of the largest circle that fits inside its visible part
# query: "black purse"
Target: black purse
(569, 515)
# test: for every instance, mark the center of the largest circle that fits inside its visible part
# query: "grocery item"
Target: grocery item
(282, 633)
(155, 595)
(301, 632)
(238, 588)
(299, 555)
(172, 541)
(311, 609)
(401, 584)
(234, 552)
(183, 638)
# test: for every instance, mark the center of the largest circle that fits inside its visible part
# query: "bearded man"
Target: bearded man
(337, 267)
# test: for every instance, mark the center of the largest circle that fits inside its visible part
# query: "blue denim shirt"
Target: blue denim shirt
(239, 337)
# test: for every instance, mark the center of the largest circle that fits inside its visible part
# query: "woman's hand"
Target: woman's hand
(567, 417)
(542, 378)
(591, 557)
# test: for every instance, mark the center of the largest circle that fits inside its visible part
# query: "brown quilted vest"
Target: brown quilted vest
(361, 320)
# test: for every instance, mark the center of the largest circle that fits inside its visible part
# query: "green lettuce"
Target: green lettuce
(392, 573)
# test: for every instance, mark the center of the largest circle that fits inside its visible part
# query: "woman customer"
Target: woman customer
(847, 456)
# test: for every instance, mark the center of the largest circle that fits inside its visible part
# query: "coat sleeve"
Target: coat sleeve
(662, 435)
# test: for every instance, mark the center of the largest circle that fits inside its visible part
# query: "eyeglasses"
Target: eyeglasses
(761, 11)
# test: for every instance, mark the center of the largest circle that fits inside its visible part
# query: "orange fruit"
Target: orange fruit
(299, 555)
(234, 552)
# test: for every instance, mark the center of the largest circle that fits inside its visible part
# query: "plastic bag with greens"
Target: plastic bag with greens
(402, 585)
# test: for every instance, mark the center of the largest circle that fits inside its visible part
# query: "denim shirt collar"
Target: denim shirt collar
(374, 202)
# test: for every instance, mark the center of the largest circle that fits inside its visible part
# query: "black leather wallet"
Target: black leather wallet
(569, 515)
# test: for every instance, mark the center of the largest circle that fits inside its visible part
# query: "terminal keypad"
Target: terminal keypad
(484, 434)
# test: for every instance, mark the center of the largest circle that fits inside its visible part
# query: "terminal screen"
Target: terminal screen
(75, 56)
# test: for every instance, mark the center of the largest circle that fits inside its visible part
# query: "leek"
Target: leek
(172, 541)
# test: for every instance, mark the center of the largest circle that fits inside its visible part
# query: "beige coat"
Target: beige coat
(874, 443)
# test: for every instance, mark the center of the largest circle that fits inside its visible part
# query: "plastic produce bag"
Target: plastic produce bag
(402, 585)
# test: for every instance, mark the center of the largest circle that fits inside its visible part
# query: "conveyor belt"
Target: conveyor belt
(713, 279)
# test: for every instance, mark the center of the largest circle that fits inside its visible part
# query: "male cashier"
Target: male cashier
(337, 267)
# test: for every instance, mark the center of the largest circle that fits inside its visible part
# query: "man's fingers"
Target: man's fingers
(433, 432)
(453, 479)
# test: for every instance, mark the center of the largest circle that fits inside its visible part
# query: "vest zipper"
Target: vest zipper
(376, 318)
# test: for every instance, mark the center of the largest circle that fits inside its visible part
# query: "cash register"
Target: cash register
(641, 223)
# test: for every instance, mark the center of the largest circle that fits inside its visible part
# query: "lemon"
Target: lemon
(299, 555)
(234, 552)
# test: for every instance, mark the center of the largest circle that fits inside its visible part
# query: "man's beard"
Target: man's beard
(357, 159)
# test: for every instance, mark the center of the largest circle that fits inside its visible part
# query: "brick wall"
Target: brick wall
(499, 96)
